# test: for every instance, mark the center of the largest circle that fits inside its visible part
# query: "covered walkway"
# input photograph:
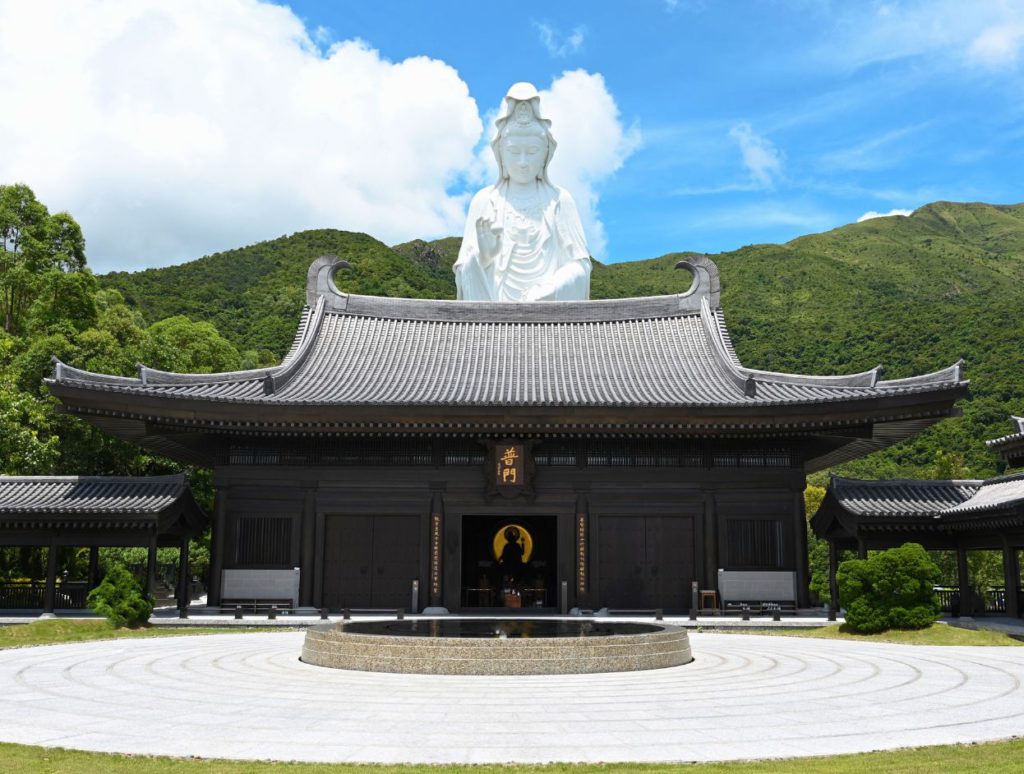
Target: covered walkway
(93, 512)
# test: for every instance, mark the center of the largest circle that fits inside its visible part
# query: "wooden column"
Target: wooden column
(800, 550)
(435, 591)
(1011, 579)
(94, 567)
(833, 587)
(151, 567)
(308, 557)
(862, 548)
(217, 547)
(184, 579)
(963, 581)
(711, 565)
(50, 593)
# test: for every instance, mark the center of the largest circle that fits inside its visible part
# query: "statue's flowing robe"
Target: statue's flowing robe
(561, 263)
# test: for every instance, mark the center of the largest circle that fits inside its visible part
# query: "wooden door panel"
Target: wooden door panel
(670, 548)
(396, 559)
(348, 544)
(622, 564)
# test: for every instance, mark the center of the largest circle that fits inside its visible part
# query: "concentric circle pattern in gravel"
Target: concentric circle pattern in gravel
(248, 696)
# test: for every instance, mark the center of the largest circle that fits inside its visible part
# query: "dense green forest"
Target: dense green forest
(913, 293)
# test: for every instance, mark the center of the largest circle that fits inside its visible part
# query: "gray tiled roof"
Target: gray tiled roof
(994, 493)
(935, 499)
(1016, 435)
(901, 497)
(89, 494)
(671, 351)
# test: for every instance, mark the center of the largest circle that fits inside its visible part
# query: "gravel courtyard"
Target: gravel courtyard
(247, 696)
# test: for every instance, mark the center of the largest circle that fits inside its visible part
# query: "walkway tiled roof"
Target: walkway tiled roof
(1011, 446)
(901, 497)
(90, 494)
(994, 493)
(77, 504)
(664, 351)
(936, 499)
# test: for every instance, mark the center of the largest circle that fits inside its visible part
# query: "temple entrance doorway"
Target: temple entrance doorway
(509, 562)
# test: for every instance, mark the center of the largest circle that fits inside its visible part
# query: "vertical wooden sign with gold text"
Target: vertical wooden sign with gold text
(510, 472)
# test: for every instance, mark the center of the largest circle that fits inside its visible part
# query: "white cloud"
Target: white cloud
(170, 130)
(871, 214)
(998, 46)
(981, 33)
(593, 143)
(760, 156)
(557, 45)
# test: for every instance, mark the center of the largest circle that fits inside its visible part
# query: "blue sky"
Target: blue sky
(715, 124)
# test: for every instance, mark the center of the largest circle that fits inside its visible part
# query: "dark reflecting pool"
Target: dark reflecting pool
(502, 629)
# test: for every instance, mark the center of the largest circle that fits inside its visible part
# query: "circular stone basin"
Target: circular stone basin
(495, 647)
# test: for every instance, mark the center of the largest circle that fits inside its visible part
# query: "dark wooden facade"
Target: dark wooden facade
(618, 535)
(642, 456)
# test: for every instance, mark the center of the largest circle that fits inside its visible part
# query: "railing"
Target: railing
(947, 597)
(32, 595)
(991, 600)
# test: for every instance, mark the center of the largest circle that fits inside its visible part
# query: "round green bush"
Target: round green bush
(120, 600)
(890, 589)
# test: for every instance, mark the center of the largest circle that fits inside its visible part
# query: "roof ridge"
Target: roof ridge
(952, 374)
(280, 376)
(843, 480)
(1003, 479)
(320, 283)
(719, 348)
(168, 478)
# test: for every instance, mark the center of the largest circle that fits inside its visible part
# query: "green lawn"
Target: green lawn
(936, 634)
(993, 757)
(56, 630)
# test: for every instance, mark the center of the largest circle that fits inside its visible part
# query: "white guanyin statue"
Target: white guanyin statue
(523, 239)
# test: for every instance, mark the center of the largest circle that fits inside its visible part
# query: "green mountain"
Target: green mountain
(914, 293)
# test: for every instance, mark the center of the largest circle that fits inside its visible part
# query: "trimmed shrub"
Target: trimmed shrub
(891, 589)
(119, 599)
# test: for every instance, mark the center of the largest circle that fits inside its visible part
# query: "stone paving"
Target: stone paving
(247, 696)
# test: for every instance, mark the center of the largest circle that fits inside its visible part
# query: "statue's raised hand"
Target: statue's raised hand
(488, 237)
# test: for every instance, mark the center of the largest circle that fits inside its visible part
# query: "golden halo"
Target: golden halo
(525, 540)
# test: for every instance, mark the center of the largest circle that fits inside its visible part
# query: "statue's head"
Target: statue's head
(523, 145)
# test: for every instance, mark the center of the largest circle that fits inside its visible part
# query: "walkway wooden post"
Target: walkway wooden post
(800, 549)
(1011, 579)
(50, 593)
(184, 578)
(151, 567)
(862, 549)
(217, 547)
(94, 567)
(833, 587)
(963, 581)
